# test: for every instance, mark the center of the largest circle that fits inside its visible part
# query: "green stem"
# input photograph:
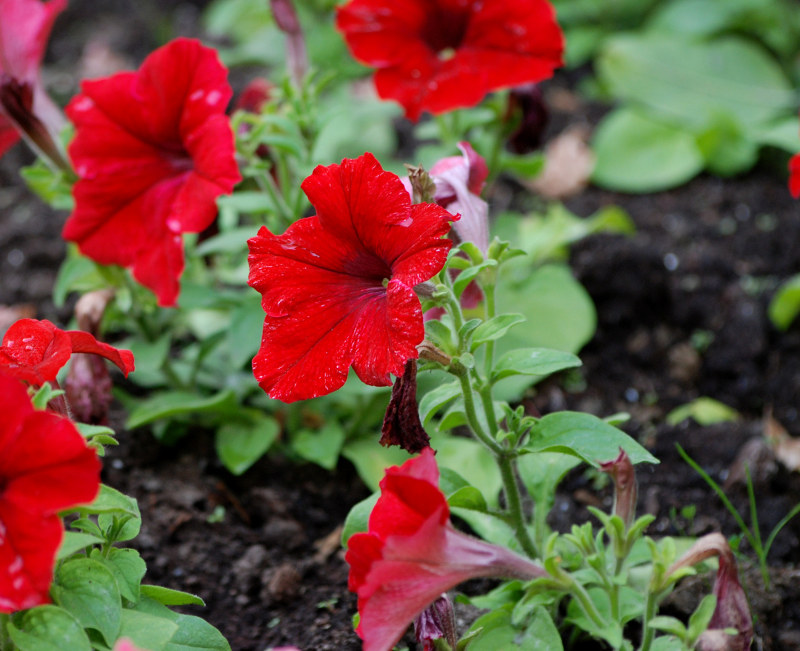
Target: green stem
(647, 632)
(488, 363)
(514, 504)
(586, 604)
(472, 415)
(614, 592)
(268, 185)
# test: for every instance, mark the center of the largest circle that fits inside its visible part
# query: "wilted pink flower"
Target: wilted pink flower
(401, 424)
(732, 610)
(459, 181)
(24, 29)
(411, 554)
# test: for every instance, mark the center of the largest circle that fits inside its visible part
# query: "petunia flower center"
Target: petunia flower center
(179, 160)
(445, 29)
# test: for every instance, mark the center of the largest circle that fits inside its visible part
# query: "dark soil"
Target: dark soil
(682, 314)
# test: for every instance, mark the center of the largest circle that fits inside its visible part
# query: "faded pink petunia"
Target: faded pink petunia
(153, 150)
(411, 554)
(24, 29)
(338, 287)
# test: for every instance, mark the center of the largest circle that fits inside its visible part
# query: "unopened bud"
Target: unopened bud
(423, 189)
(296, 55)
(625, 486)
(430, 353)
(437, 621)
(16, 99)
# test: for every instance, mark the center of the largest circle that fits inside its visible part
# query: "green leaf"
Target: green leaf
(244, 333)
(705, 411)
(469, 459)
(495, 328)
(635, 153)
(88, 590)
(147, 631)
(584, 436)
(170, 597)
(240, 444)
(701, 617)
(468, 497)
(434, 400)
(691, 82)
(127, 567)
(468, 275)
(669, 625)
(47, 628)
(559, 312)
(785, 305)
(75, 541)
(180, 403)
(195, 634)
(234, 240)
(88, 431)
(322, 446)
(77, 273)
(110, 500)
(52, 185)
(726, 147)
(783, 134)
(533, 361)
(357, 519)
(371, 459)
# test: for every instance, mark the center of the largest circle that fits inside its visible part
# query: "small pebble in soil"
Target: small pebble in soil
(671, 261)
(15, 257)
(631, 394)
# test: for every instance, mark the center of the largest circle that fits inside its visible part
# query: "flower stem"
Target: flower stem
(472, 415)
(514, 504)
(647, 631)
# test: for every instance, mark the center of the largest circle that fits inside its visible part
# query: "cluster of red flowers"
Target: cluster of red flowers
(45, 465)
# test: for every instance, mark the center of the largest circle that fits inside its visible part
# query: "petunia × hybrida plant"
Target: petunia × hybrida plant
(439, 55)
(153, 150)
(411, 554)
(45, 467)
(24, 29)
(338, 287)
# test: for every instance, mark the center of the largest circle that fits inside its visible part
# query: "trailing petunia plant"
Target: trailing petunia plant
(248, 272)
(166, 184)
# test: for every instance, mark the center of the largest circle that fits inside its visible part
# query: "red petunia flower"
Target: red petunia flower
(411, 554)
(45, 467)
(794, 176)
(438, 55)
(35, 351)
(24, 29)
(153, 150)
(338, 287)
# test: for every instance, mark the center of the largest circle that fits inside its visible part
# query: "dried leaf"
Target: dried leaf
(568, 166)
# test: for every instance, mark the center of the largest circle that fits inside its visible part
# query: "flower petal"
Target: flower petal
(153, 150)
(34, 351)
